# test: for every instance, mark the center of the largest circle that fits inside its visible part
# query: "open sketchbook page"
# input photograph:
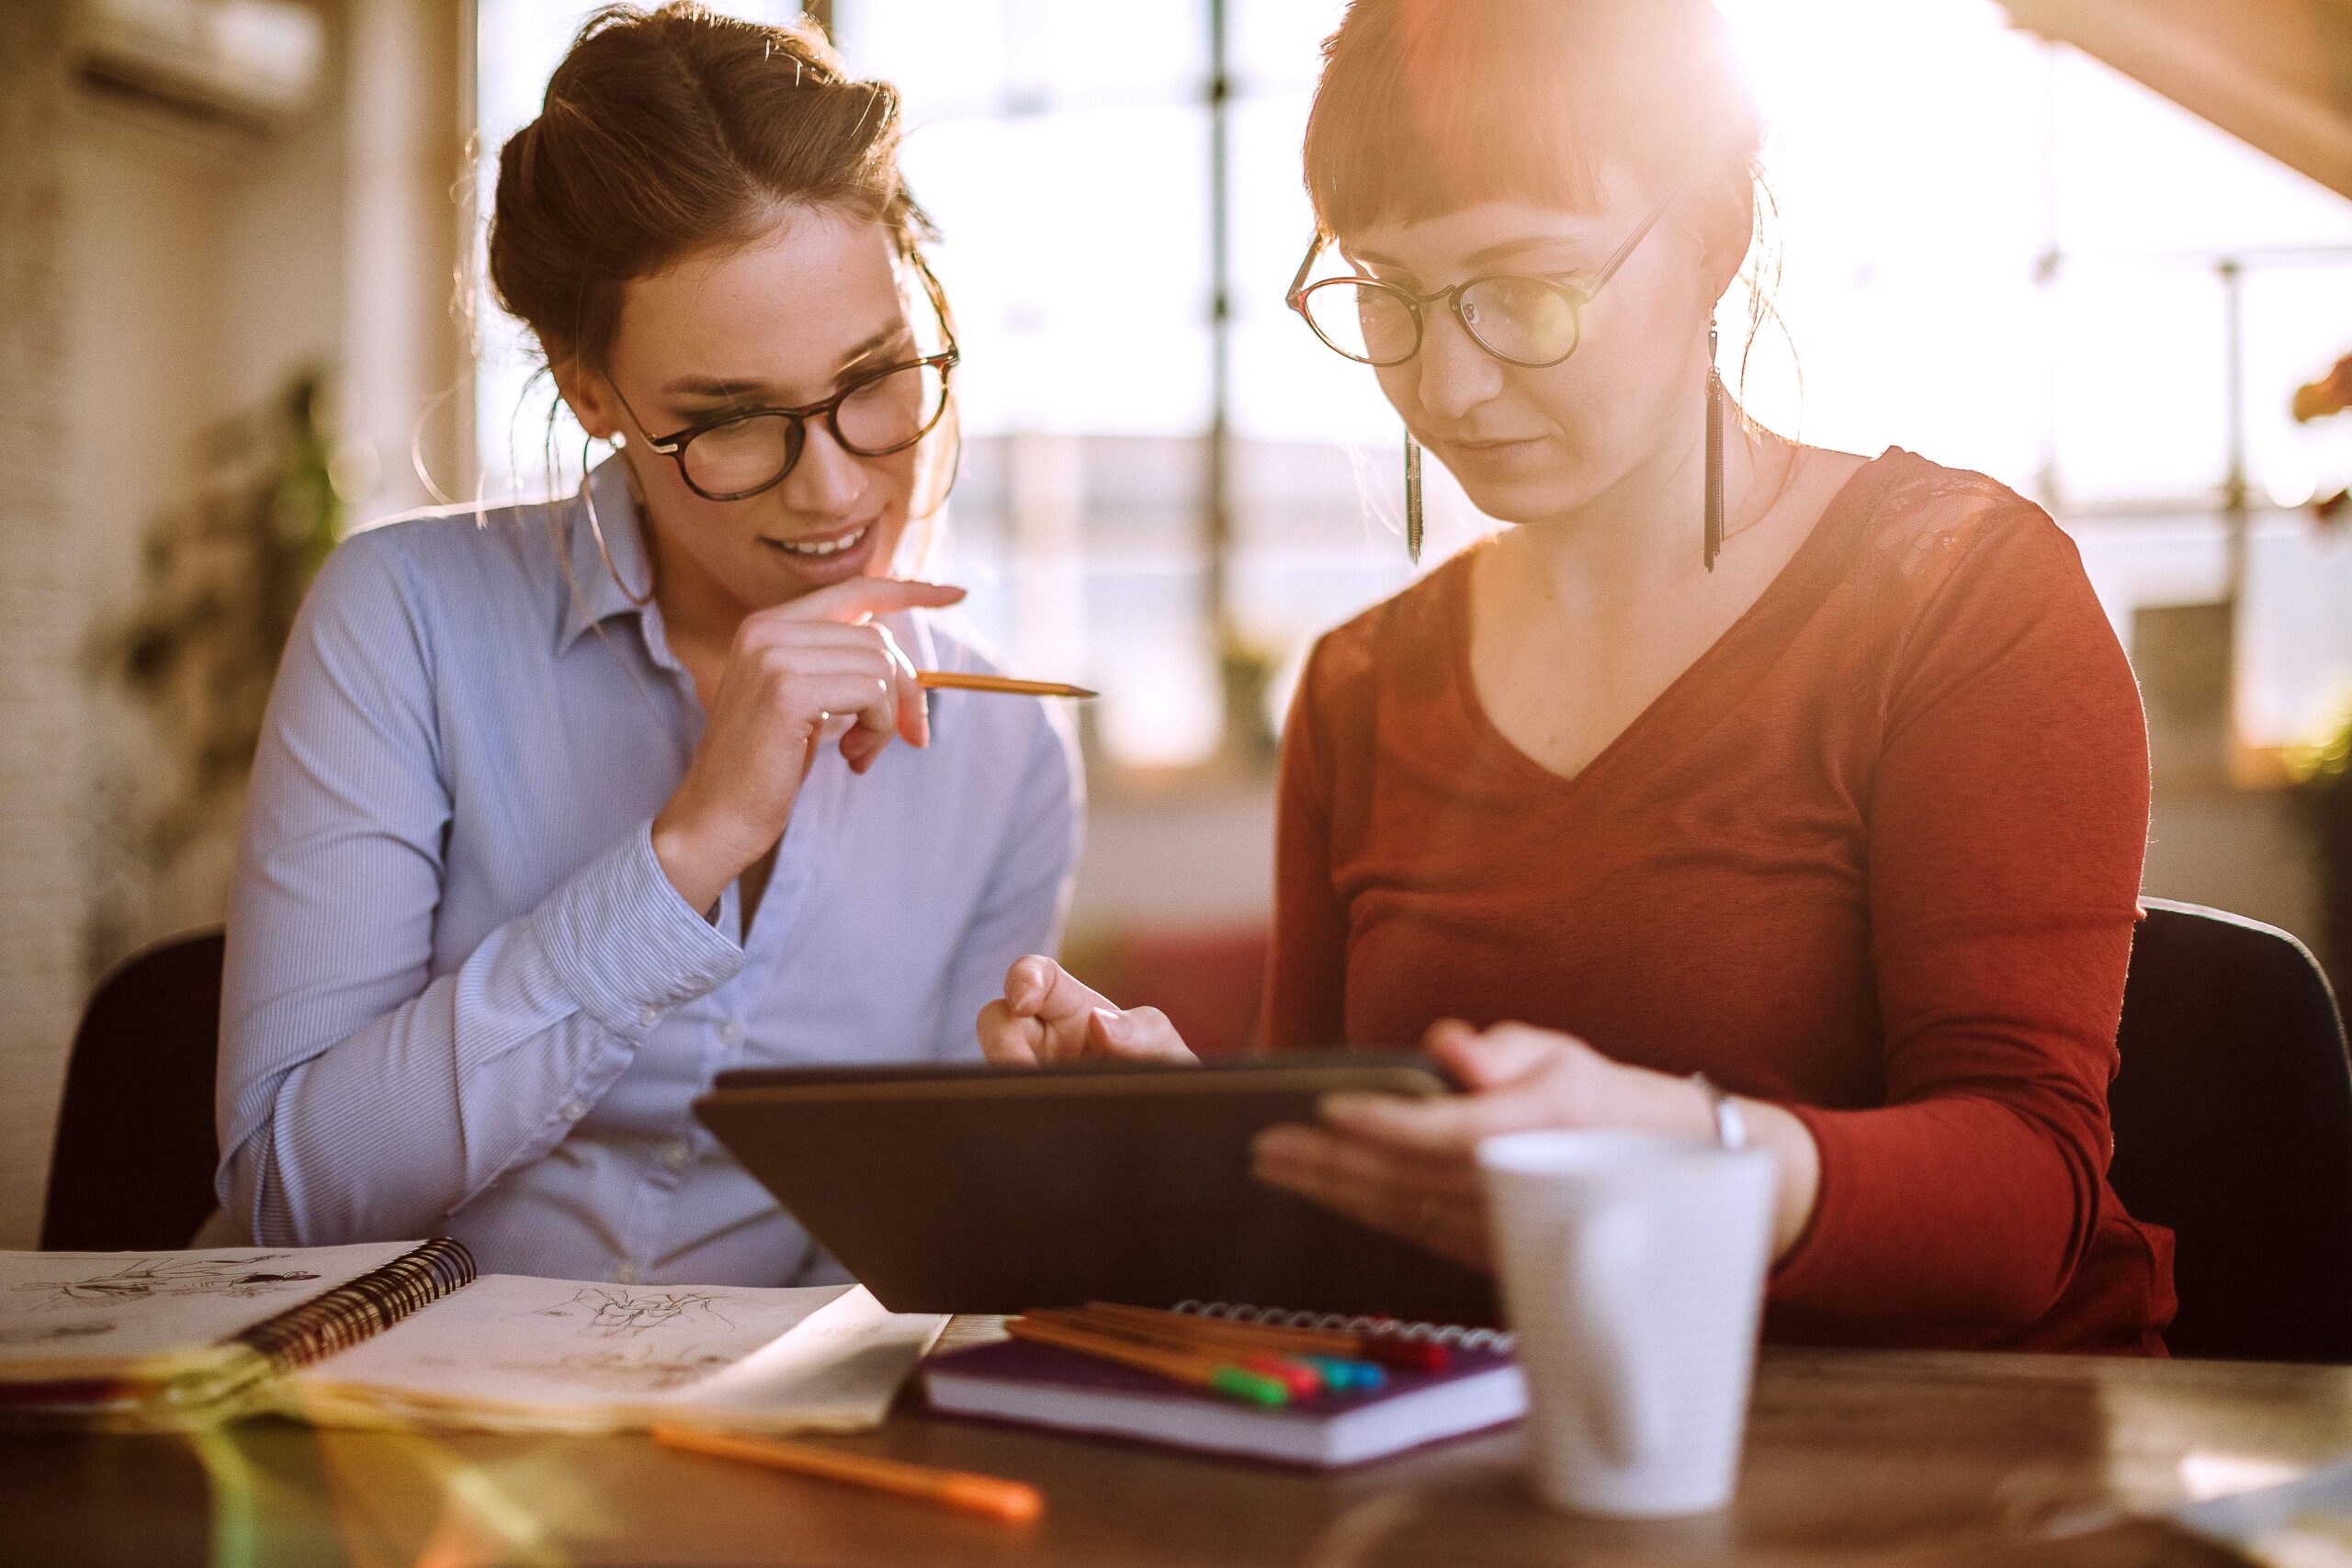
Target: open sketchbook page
(515, 1353)
(65, 1312)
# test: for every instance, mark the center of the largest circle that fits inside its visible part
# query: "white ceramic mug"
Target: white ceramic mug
(1633, 1272)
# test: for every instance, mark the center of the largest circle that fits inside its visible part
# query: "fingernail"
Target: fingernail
(1345, 1107)
(1115, 1027)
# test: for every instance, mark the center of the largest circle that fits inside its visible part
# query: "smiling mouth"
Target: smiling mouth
(817, 548)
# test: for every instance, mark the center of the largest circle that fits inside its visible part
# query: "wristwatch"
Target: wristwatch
(1731, 1127)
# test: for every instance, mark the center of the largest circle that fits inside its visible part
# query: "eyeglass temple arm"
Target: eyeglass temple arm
(1641, 231)
(1305, 266)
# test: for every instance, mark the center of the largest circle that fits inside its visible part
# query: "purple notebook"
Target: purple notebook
(1040, 1386)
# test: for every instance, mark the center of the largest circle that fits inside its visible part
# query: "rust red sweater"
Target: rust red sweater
(1875, 857)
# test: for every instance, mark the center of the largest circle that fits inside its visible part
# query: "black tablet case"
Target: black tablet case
(980, 1189)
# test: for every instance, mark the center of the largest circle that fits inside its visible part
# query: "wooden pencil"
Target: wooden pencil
(1406, 1352)
(956, 680)
(1014, 1502)
(1215, 1373)
(1301, 1379)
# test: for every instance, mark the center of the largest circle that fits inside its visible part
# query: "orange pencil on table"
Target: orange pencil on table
(1218, 1374)
(956, 680)
(1013, 1502)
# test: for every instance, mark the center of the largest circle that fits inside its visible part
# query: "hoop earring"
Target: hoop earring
(1412, 497)
(588, 499)
(1714, 521)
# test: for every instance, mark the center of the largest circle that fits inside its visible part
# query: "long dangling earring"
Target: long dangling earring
(1412, 498)
(1714, 545)
(588, 499)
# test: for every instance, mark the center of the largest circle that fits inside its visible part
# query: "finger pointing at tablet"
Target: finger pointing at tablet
(1047, 1015)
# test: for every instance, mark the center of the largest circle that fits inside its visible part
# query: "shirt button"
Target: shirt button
(649, 1016)
(624, 1274)
(676, 1153)
(729, 1032)
(573, 1111)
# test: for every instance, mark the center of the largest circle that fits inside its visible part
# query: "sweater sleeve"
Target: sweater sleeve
(1306, 960)
(2008, 818)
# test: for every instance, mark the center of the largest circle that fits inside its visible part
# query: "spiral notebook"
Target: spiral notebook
(1040, 1386)
(403, 1333)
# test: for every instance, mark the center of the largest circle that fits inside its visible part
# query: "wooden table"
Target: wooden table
(1853, 1458)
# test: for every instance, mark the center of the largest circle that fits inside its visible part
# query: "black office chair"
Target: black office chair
(133, 1167)
(2232, 1116)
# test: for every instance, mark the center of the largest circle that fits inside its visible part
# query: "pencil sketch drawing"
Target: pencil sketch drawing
(609, 1312)
(149, 1278)
(58, 1333)
(630, 1368)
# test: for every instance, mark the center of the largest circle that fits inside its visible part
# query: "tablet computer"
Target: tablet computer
(991, 1190)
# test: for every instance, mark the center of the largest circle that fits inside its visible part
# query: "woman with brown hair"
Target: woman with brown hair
(561, 810)
(1740, 784)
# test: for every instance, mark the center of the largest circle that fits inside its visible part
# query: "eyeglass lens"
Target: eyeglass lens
(1526, 320)
(887, 414)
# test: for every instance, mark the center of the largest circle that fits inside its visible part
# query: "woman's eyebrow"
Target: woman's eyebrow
(736, 386)
(872, 345)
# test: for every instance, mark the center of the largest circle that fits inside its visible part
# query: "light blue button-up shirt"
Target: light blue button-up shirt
(461, 995)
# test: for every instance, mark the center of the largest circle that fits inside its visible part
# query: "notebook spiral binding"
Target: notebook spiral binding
(362, 1308)
(1337, 1323)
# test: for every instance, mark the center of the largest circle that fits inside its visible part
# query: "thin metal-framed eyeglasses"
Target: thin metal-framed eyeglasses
(1518, 318)
(740, 453)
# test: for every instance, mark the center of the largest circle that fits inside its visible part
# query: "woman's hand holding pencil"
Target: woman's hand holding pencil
(792, 668)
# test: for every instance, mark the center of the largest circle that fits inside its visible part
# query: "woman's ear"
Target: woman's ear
(1727, 231)
(588, 396)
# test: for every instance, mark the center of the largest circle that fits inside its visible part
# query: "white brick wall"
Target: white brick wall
(40, 683)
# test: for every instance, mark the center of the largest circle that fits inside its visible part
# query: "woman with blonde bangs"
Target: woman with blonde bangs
(1736, 782)
(562, 811)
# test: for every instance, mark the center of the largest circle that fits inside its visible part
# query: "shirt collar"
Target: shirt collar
(594, 594)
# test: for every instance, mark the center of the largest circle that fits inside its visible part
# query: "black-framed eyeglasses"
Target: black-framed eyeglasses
(1521, 319)
(742, 453)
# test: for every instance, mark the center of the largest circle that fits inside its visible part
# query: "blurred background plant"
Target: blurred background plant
(222, 577)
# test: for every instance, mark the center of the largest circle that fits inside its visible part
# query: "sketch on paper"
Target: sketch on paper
(610, 1311)
(630, 1368)
(60, 1332)
(150, 1279)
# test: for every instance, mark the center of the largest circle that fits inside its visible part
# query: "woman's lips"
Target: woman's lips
(819, 548)
(827, 558)
(1493, 460)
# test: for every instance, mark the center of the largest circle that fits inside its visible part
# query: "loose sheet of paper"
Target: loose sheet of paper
(515, 1353)
(60, 1309)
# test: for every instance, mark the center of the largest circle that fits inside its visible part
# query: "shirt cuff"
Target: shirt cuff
(626, 945)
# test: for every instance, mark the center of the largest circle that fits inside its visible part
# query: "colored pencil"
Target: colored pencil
(955, 681)
(1305, 1371)
(1298, 1376)
(1201, 1372)
(1405, 1352)
(1013, 1502)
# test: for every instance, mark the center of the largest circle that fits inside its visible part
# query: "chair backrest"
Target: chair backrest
(2233, 1114)
(133, 1166)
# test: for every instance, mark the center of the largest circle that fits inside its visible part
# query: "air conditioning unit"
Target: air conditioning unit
(258, 62)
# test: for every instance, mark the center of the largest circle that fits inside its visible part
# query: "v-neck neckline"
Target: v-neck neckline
(1797, 584)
